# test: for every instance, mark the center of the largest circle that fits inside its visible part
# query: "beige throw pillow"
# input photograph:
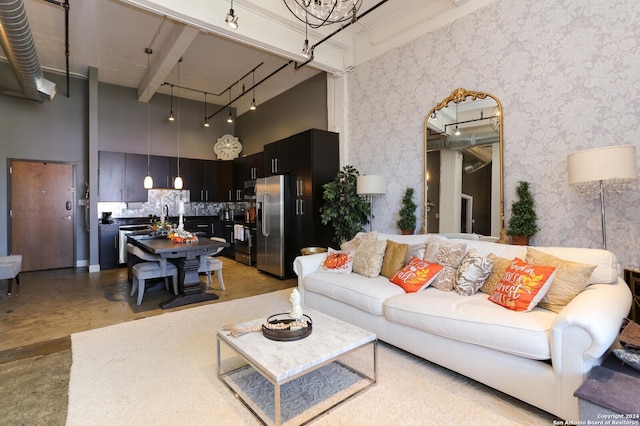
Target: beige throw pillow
(353, 244)
(499, 266)
(449, 255)
(472, 273)
(367, 260)
(569, 281)
(394, 258)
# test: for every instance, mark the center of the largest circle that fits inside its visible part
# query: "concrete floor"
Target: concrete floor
(48, 306)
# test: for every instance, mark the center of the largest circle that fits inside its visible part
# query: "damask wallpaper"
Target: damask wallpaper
(568, 75)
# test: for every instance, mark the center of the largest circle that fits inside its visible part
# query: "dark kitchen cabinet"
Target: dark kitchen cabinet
(224, 229)
(135, 171)
(316, 162)
(201, 179)
(246, 168)
(225, 190)
(161, 169)
(277, 157)
(111, 183)
(108, 246)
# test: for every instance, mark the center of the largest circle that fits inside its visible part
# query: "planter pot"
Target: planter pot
(520, 240)
(406, 231)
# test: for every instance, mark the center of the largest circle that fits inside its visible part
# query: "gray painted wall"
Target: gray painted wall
(59, 131)
(301, 108)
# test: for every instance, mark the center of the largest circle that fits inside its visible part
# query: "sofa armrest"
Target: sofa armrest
(305, 265)
(587, 327)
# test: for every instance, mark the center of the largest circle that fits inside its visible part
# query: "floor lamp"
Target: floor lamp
(598, 170)
(371, 186)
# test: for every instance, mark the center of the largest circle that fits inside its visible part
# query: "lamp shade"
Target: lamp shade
(371, 184)
(603, 164)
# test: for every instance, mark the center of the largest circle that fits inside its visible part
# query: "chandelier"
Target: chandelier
(316, 13)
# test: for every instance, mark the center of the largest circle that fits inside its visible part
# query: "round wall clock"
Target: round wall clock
(228, 147)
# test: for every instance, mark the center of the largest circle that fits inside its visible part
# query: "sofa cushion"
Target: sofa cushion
(394, 258)
(474, 319)
(523, 285)
(366, 294)
(417, 275)
(606, 262)
(367, 260)
(338, 261)
(472, 273)
(569, 281)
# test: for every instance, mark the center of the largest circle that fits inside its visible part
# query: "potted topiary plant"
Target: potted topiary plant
(407, 221)
(343, 208)
(523, 221)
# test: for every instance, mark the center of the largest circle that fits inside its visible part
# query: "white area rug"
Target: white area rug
(162, 371)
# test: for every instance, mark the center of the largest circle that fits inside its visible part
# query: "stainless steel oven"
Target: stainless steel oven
(244, 243)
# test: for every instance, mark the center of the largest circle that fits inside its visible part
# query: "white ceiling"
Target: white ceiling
(111, 35)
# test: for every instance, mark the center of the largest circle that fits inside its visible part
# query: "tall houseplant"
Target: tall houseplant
(523, 221)
(343, 208)
(407, 221)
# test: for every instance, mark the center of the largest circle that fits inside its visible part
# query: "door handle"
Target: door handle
(66, 217)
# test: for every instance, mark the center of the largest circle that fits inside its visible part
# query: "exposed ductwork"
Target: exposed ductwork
(17, 42)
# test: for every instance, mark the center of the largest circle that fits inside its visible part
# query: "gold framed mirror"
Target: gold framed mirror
(463, 166)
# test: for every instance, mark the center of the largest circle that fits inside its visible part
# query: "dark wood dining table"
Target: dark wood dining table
(186, 257)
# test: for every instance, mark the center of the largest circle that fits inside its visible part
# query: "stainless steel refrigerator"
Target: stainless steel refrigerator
(272, 205)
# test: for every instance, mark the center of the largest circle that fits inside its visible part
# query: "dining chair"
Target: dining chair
(153, 266)
(10, 267)
(210, 264)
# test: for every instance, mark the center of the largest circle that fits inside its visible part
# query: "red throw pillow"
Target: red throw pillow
(416, 275)
(522, 285)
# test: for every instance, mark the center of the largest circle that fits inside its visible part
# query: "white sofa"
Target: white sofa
(539, 357)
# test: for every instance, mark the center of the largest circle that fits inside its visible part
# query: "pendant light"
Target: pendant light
(177, 183)
(230, 119)
(206, 120)
(171, 117)
(253, 89)
(148, 180)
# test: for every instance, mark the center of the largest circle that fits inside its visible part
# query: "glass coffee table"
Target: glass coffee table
(294, 382)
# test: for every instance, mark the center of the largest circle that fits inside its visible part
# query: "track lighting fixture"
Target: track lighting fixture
(171, 117)
(148, 180)
(232, 19)
(306, 51)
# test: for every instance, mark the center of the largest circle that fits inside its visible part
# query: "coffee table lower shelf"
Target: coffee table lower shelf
(302, 393)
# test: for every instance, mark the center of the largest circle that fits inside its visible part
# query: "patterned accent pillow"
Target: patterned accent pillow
(449, 255)
(340, 262)
(416, 250)
(367, 260)
(499, 266)
(523, 285)
(631, 357)
(353, 244)
(394, 258)
(416, 276)
(569, 281)
(472, 273)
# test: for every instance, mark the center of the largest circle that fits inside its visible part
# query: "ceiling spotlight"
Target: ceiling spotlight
(253, 105)
(232, 19)
(230, 119)
(306, 51)
(457, 132)
(206, 123)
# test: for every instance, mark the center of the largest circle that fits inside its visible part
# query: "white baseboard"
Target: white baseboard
(94, 268)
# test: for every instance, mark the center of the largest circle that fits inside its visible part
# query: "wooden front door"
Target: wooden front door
(42, 214)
